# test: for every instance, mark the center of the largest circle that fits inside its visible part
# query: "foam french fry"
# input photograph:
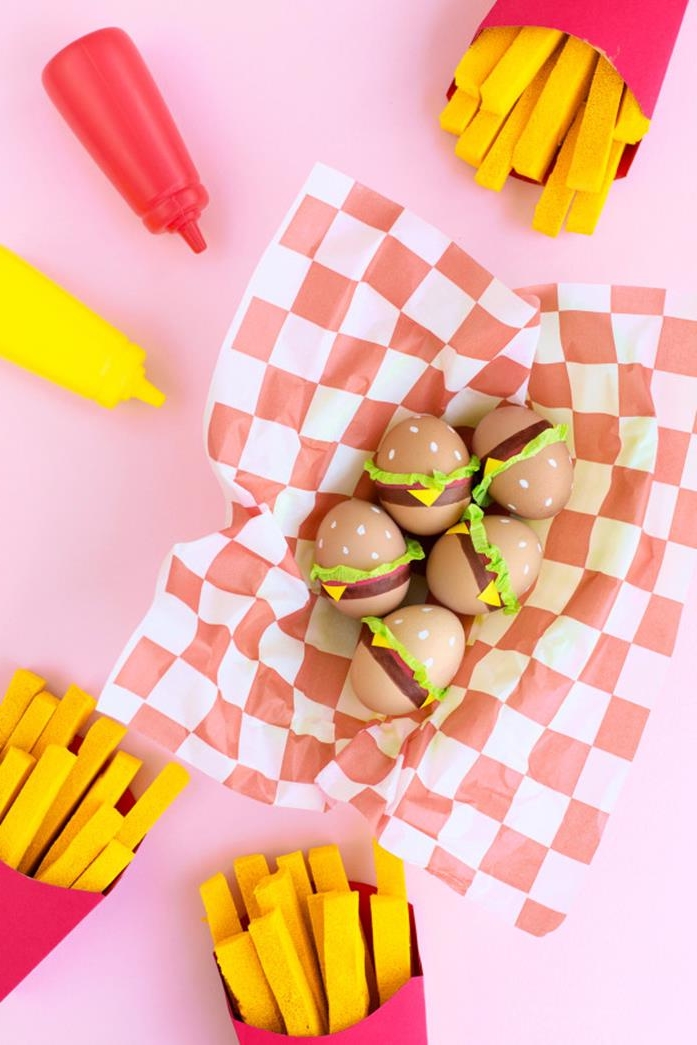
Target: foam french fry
(344, 962)
(24, 685)
(14, 771)
(389, 870)
(566, 87)
(391, 943)
(556, 196)
(476, 140)
(315, 907)
(517, 68)
(245, 979)
(481, 57)
(327, 869)
(587, 206)
(592, 152)
(157, 797)
(221, 912)
(101, 740)
(107, 789)
(295, 864)
(249, 871)
(32, 723)
(105, 868)
(276, 892)
(67, 720)
(631, 124)
(458, 112)
(26, 815)
(498, 162)
(88, 843)
(286, 975)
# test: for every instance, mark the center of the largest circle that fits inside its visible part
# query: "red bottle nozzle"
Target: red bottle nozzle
(105, 92)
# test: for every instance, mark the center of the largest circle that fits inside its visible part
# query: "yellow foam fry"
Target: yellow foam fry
(14, 770)
(105, 868)
(286, 976)
(221, 912)
(587, 206)
(481, 57)
(631, 124)
(252, 997)
(276, 892)
(295, 864)
(67, 720)
(592, 150)
(23, 686)
(32, 723)
(156, 798)
(391, 943)
(389, 870)
(315, 908)
(327, 869)
(344, 963)
(99, 744)
(498, 162)
(84, 848)
(556, 196)
(563, 93)
(518, 67)
(249, 871)
(476, 140)
(458, 112)
(27, 812)
(106, 790)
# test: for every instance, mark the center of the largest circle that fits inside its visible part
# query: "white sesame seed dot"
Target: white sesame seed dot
(360, 530)
(388, 535)
(427, 609)
(320, 542)
(451, 429)
(414, 429)
(390, 456)
(548, 502)
(374, 508)
(428, 663)
(522, 544)
(458, 455)
(539, 547)
(526, 568)
(400, 620)
(551, 461)
(374, 555)
(424, 633)
(332, 525)
(524, 483)
(433, 448)
(504, 520)
(512, 507)
(451, 641)
(345, 550)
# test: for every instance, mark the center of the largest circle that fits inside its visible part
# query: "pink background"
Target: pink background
(93, 500)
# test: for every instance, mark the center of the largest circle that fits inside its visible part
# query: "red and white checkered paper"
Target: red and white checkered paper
(358, 314)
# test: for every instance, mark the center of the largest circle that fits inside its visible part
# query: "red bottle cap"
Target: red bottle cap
(105, 92)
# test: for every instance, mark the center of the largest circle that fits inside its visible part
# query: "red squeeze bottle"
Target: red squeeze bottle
(103, 89)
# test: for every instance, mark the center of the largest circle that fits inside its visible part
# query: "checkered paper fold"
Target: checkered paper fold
(359, 314)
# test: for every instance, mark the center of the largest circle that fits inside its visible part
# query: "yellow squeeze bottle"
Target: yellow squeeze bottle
(51, 333)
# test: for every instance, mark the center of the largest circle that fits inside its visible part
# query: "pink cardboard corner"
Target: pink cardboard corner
(400, 1020)
(34, 918)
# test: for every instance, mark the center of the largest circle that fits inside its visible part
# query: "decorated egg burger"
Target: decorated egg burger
(407, 660)
(526, 466)
(362, 561)
(423, 474)
(484, 563)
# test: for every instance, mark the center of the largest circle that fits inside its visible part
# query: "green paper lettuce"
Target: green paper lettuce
(349, 574)
(378, 627)
(556, 434)
(437, 481)
(473, 516)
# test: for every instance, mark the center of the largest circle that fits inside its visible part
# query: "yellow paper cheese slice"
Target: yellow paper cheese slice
(490, 595)
(335, 591)
(426, 497)
(492, 465)
(459, 528)
(380, 640)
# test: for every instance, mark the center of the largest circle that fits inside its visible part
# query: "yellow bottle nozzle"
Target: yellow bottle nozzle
(147, 393)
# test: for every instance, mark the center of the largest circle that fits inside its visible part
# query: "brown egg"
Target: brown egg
(380, 677)
(458, 576)
(423, 444)
(363, 537)
(537, 487)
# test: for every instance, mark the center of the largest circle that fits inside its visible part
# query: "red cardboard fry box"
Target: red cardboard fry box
(34, 918)
(400, 1020)
(637, 37)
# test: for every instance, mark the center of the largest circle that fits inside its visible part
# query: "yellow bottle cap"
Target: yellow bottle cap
(146, 392)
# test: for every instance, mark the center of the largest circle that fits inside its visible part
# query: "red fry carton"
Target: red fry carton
(401, 1019)
(638, 39)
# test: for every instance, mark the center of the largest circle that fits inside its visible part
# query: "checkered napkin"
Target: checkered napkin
(359, 314)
